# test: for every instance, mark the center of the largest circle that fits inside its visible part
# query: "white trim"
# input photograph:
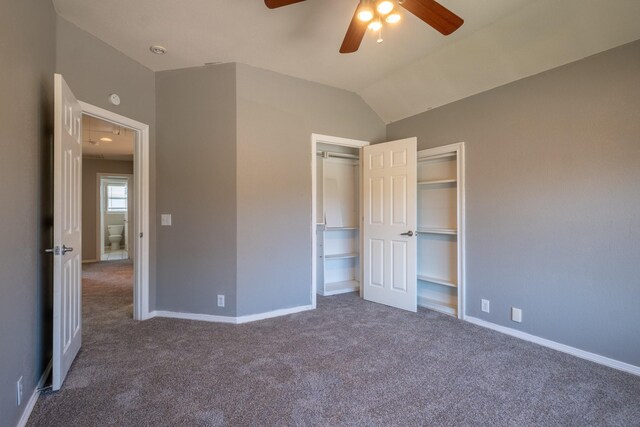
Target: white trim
(336, 140)
(275, 313)
(315, 140)
(602, 360)
(427, 303)
(230, 319)
(24, 419)
(141, 219)
(192, 316)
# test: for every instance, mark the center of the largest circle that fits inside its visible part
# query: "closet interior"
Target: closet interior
(337, 216)
(439, 202)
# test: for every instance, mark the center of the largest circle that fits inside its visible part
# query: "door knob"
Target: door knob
(408, 233)
(66, 249)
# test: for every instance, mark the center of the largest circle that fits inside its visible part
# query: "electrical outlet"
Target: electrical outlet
(19, 392)
(485, 305)
(220, 300)
(516, 314)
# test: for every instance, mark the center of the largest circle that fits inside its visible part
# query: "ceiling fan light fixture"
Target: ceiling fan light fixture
(105, 139)
(393, 18)
(384, 7)
(365, 14)
(375, 25)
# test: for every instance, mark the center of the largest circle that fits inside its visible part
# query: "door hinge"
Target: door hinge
(141, 235)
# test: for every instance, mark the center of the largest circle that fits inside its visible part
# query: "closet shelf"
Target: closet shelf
(340, 228)
(334, 288)
(433, 230)
(437, 305)
(342, 256)
(436, 156)
(438, 181)
(436, 280)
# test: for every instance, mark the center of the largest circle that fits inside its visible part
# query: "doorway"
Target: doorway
(134, 242)
(115, 216)
(336, 220)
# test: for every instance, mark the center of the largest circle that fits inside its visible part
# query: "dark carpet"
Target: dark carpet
(349, 362)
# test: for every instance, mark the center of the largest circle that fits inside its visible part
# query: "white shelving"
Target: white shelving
(340, 228)
(336, 288)
(437, 305)
(429, 230)
(436, 280)
(342, 256)
(438, 181)
(440, 229)
(338, 237)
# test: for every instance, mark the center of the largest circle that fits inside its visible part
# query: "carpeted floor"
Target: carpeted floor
(349, 362)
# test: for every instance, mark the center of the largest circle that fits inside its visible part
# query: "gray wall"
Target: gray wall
(553, 200)
(91, 167)
(27, 49)
(276, 116)
(94, 70)
(196, 110)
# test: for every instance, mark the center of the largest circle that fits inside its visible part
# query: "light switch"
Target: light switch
(165, 219)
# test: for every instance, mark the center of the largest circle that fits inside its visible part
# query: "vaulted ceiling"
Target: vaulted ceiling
(413, 70)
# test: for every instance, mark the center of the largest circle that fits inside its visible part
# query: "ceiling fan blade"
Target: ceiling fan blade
(434, 14)
(354, 35)
(273, 4)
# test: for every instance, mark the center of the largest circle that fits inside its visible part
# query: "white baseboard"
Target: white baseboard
(229, 319)
(276, 313)
(88, 261)
(602, 360)
(34, 397)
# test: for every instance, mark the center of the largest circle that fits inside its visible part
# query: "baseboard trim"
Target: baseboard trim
(89, 261)
(34, 397)
(229, 319)
(275, 313)
(602, 360)
(191, 316)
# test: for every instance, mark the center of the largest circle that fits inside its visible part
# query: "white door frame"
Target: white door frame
(333, 140)
(141, 205)
(100, 207)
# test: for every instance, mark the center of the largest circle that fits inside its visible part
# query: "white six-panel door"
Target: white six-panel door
(389, 225)
(67, 237)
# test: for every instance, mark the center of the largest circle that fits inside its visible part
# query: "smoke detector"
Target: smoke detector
(158, 50)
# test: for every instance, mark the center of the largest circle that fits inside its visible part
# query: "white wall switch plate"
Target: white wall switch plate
(485, 305)
(165, 219)
(220, 300)
(516, 314)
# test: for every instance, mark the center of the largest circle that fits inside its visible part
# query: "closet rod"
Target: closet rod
(327, 154)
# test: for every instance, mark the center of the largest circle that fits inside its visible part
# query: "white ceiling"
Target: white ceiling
(415, 68)
(120, 148)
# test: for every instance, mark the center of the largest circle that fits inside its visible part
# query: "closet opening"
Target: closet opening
(336, 216)
(428, 214)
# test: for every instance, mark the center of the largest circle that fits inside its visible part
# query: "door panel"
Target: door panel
(67, 237)
(389, 181)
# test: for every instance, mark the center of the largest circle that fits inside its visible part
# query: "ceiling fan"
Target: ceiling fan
(371, 14)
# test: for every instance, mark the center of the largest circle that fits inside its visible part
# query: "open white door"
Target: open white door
(67, 237)
(389, 226)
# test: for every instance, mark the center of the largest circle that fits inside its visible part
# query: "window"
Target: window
(116, 197)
